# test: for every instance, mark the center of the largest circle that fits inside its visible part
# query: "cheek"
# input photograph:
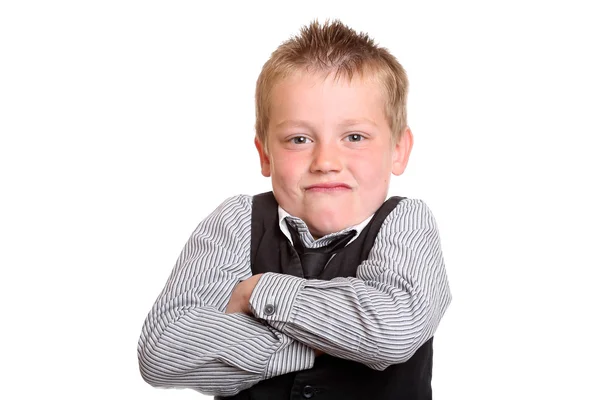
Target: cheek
(374, 169)
(287, 168)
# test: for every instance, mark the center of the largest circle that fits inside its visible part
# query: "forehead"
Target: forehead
(303, 77)
(326, 99)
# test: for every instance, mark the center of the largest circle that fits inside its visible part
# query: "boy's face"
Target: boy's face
(330, 153)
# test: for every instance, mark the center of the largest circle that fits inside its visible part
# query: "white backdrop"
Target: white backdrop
(124, 123)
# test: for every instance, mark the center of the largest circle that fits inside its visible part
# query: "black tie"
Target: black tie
(313, 260)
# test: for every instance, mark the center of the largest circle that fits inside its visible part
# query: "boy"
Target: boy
(321, 288)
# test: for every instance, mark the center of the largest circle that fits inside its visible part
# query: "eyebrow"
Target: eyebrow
(352, 122)
(292, 123)
(346, 123)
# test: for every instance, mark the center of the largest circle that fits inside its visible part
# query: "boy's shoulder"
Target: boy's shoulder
(233, 207)
(243, 200)
(411, 213)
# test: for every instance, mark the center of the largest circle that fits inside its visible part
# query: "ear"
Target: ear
(402, 152)
(265, 163)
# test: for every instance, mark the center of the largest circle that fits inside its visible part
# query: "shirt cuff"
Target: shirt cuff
(292, 356)
(273, 298)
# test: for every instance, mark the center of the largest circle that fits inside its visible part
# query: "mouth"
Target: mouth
(327, 187)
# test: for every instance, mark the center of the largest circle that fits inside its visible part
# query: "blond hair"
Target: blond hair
(334, 47)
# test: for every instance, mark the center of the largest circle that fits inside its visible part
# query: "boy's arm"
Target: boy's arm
(188, 341)
(382, 316)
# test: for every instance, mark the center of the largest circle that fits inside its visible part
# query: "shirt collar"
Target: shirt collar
(304, 233)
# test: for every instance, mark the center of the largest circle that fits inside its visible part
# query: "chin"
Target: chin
(320, 227)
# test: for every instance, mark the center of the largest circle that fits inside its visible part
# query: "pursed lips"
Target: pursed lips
(328, 187)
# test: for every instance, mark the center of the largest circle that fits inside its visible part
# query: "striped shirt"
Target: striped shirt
(379, 318)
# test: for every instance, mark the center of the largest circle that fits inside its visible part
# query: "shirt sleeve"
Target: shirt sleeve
(188, 341)
(382, 316)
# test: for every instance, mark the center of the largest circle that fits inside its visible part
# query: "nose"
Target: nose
(326, 158)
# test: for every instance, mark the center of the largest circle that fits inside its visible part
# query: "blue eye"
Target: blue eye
(300, 140)
(355, 137)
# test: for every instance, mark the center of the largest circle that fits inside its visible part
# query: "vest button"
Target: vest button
(308, 392)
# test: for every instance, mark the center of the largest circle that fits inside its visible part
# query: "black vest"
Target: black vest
(331, 377)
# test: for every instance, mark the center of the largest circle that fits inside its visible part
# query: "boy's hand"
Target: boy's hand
(240, 298)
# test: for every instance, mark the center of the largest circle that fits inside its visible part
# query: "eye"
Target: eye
(300, 140)
(355, 137)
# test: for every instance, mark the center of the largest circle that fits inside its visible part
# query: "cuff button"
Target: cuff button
(269, 309)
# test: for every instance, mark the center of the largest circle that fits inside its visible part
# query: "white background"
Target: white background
(124, 123)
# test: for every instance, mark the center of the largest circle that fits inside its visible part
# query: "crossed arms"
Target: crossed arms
(210, 334)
